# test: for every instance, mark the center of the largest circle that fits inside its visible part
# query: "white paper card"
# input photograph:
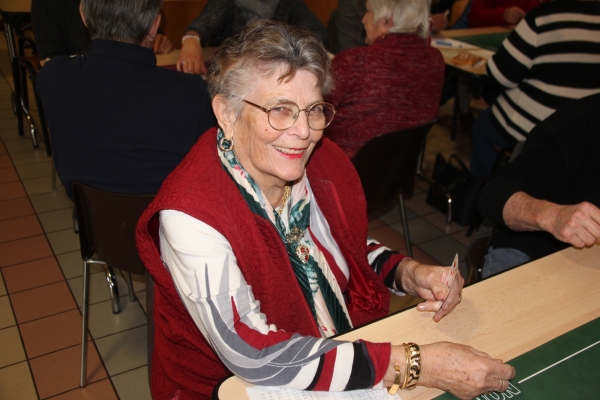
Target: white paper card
(274, 393)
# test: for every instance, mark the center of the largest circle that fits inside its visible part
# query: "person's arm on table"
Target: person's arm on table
(162, 44)
(216, 295)
(577, 224)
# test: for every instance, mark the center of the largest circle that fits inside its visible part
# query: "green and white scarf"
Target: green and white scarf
(317, 281)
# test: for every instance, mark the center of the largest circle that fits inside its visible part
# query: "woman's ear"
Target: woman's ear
(225, 117)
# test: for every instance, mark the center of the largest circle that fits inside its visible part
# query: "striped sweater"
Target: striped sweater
(551, 58)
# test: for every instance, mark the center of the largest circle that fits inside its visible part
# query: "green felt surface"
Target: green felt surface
(491, 41)
(575, 375)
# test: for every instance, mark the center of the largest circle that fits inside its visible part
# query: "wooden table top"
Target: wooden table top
(506, 315)
(169, 59)
(449, 53)
(16, 6)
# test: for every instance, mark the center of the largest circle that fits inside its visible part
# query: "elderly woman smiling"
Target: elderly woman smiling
(258, 245)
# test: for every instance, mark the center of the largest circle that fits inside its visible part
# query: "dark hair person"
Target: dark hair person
(258, 245)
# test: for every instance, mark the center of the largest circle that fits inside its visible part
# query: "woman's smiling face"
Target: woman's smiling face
(270, 156)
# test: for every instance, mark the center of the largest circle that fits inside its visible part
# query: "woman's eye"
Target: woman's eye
(282, 110)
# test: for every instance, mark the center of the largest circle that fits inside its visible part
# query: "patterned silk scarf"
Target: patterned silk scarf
(317, 281)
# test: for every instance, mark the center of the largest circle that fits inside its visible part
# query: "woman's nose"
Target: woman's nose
(300, 127)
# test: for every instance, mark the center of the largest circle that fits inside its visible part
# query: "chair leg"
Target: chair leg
(132, 297)
(114, 289)
(405, 225)
(84, 323)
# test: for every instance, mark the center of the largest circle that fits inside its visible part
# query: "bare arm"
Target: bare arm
(577, 224)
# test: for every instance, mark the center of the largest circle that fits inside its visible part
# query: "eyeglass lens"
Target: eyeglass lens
(283, 115)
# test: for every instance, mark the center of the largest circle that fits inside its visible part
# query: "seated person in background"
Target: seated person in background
(500, 12)
(351, 32)
(548, 197)
(119, 122)
(551, 58)
(258, 247)
(221, 19)
(392, 84)
(59, 30)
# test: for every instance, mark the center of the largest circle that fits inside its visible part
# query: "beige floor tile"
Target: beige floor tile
(124, 351)
(12, 348)
(16, 383)
(103, 322)
(38, 185)
(388, 237)
(439, 220)
(420, 230)
(7, 317)
(32, 171)
(133, 385)
(64, 241)
(51, 201)
(58, 220)
(17, 146)
(99, 291)
(29, 157)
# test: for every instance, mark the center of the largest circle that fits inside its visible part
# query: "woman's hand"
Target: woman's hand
(190, 59)
(162, 44)
(427, 282)
(462, 370)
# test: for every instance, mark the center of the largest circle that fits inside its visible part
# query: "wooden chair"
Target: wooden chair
(387, 165)
(107, 224)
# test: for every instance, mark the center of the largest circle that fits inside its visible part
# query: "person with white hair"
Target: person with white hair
(392, 84)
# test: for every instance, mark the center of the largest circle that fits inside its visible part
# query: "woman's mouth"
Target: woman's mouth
(290, 153)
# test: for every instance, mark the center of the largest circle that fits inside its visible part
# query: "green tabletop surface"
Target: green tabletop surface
(491, 41)
(567, 367)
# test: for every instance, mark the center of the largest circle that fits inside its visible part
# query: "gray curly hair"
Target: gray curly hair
(264, 47)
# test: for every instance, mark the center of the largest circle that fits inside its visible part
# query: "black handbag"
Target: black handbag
(454, 191)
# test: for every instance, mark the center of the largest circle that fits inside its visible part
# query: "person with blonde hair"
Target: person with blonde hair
(258, 246)
(392, 84)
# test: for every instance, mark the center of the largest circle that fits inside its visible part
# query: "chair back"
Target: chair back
(107, 224)
(387, 165)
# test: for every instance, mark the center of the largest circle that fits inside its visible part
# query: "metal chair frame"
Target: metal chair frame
(107, 224)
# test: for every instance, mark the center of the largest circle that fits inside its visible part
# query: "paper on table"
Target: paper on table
(274, 393)
(445, 43)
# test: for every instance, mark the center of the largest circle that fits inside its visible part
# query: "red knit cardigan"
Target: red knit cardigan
(182, 359)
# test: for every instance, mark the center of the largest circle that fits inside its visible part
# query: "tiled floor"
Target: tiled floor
(41, 276)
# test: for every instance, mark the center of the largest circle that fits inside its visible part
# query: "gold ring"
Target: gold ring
(183, 61)
(501, 385)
